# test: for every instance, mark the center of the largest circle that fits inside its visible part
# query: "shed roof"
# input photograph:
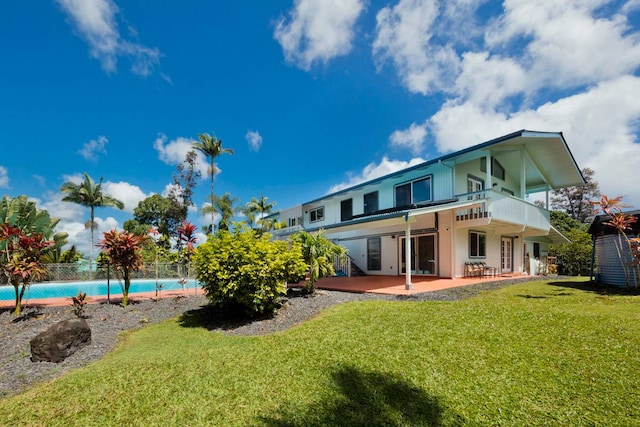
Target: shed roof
(599, 227)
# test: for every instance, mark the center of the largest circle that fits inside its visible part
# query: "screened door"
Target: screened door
(506, 255)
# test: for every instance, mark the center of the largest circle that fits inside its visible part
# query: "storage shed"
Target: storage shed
(606, 263)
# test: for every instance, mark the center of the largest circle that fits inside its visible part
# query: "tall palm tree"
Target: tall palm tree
(223, 206)
(261, 208)
(89, 194)
(211, 147)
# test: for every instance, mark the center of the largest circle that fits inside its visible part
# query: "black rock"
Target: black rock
(60, 341)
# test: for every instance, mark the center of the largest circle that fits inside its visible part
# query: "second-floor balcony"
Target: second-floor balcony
(497, 209)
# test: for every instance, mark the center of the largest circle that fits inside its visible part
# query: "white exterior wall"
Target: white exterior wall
(472, 167)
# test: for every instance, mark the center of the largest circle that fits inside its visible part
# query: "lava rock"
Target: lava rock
(60, 341)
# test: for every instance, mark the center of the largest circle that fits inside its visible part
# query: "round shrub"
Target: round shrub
(240, 271)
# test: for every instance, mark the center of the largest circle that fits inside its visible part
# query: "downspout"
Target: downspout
(407, 253)
(593, 256)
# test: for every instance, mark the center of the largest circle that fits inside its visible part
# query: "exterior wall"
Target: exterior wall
(441, 189)
(493, 250)
(608, 266)
(463, 170)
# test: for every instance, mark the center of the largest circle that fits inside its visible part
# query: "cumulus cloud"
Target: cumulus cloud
(254, 139)
(373, 171)
(173, 152)
(90, 150)
(412, 138)
(404, 37)
(127, 193)
(95, 21)
(318, 30)
(4, 177)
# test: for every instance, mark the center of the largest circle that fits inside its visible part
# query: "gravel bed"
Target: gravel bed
(18, 372)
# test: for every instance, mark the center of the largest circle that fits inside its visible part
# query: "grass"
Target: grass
(538, 353)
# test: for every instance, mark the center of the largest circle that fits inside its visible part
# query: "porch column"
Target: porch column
(407, 253)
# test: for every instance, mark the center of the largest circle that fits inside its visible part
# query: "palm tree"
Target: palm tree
(89, 194)
(211, 147)
(247, 210)
(261, 208)
(223, 206)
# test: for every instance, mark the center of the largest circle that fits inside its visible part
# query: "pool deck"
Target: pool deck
(388, 285)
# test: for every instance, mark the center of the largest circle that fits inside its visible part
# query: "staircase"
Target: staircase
(347, 267)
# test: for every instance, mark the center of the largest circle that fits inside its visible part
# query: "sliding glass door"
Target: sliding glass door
(423, 255)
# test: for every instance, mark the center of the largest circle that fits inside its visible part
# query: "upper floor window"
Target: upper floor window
(346, 210)
(414, 192)
(371, 202)
(497, 169)
(316, 214)
(292, 222)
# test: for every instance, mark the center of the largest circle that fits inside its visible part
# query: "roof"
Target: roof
(549, 161)
(599, 228)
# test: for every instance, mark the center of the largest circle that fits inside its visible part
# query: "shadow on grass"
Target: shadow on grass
(594, 287)
(367, 399)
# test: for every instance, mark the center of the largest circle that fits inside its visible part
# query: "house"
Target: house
(441, 215)
(610, 251)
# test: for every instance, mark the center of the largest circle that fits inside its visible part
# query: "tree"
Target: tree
(249, 213)
(261, 208)
(124, 252)
(576, 200)
(89, 194)
(186, 241)
(211, 147)
(185, 179)
(318, 252)
(160, 213)
(223, 206)
(26, 234)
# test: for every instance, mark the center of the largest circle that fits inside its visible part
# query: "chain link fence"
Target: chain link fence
(81, 272)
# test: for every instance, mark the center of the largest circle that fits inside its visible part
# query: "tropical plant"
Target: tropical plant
(223, 206)
(622, 223)
(261, 208)
(26, 234)
(241, 271)
(211, 147)
(319, 253)
(89, 194)
(78, 303)
(124, 252)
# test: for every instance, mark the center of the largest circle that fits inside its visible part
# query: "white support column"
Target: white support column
(489, 185)
(407, 253)
(523, 176)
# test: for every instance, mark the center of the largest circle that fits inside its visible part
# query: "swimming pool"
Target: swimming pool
(92, 288)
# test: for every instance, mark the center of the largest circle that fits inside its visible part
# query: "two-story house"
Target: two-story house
(437, 216)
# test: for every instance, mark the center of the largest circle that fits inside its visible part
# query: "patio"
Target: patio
(395, 285)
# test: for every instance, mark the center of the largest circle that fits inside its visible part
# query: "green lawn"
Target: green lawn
(538, 353)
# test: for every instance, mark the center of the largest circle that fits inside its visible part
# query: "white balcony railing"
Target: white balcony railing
(494, 205)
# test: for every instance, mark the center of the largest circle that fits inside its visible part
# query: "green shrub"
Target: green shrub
(240, 271)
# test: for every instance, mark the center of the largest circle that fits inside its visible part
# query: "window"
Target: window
(536, 250)
(414, 192)
(371, 202)
(477, 244)
(374, 254)
(507, 191)
(292, 222)
(346, 210)
(496, 168)
(316, 214)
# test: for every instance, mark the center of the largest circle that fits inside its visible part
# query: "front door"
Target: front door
(506, 255)
(423, 255)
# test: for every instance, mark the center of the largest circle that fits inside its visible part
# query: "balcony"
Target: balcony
(497, 209)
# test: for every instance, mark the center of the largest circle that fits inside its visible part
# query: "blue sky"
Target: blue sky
(313, 95)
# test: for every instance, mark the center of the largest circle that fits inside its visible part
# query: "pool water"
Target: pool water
(92, 288)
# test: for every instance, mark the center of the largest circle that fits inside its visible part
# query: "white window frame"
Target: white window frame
(478, 246)
(318, 213)
(411, 183)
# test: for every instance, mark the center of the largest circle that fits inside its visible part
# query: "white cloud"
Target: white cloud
(254, 139)
(174, 152)
(404, 36)
(412, 138)
(4, 177)
(373, 171)
(318, 30)
(96, 22)
(128, 194)
(91, 149)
